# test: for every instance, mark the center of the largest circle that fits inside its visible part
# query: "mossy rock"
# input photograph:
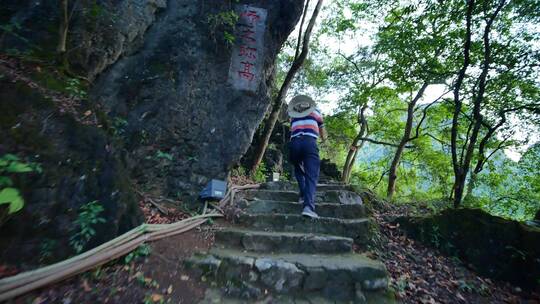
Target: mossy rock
(78, 166)
(495, 247)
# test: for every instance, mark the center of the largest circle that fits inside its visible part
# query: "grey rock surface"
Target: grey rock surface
(157, 77)
(174, 94)
(78, 166)
(345, 211)
(279, 275)
(358, 229)
(286, 242)
(98, 34)
(322, 196)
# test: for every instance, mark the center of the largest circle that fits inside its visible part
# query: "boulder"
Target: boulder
(329, 170)
(163, 73)
(161, 89)
(175, 92)
(99, 34)
(273, 159)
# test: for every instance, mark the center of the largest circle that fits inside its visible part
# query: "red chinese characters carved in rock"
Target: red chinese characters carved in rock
(248, 52)
(246, 72)
(248, 36)
(251, 16)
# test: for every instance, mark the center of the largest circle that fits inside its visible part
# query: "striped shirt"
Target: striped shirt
(308, 125)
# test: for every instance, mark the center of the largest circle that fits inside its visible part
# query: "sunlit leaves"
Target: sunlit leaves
(13, 198)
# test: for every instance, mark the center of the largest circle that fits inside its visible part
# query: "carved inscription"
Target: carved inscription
(248, 50)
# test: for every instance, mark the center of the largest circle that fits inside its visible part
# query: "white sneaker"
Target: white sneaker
(301, 200)
(309, 213)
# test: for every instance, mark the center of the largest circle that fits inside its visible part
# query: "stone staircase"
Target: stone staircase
(274, 255)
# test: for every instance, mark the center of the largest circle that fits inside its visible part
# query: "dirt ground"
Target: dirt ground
(159, 277)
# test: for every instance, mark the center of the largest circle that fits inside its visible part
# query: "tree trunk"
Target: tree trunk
(392, 172)
(274, 114)
(346, 165)
(63, 28)
(355, 146)
(472, 184)
(477, 115)
(351, 158)
(458, 189)
(456, 163)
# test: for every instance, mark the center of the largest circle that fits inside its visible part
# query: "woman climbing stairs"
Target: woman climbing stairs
(274, 255)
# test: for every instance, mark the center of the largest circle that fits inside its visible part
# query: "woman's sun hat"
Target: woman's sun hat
(300, 106)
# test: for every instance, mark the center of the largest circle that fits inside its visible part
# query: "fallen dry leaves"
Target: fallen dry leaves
(422, 275)
(17, 71)
(154, 216)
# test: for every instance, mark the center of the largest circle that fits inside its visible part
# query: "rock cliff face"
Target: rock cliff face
(79, 165)
(159, 90)
(174, 92)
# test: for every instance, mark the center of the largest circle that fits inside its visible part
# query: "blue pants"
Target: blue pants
(304, 155)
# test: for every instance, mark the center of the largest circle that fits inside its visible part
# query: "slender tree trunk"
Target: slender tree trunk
(351, 165)
(456, 163)
(392, 172)
(61, 48)
(274, 114)
(472, 184)
(63, 28)
(351, 157)
(477, 115)
(355, 146)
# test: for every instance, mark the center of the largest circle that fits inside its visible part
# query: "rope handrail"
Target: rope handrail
(22, 283)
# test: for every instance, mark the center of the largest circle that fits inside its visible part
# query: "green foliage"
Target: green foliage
(119, 125)
(12, 28)
(239, 171)
(228, 37)
(163, 155)
(141, 251)
(11, 164)
(259, 175)
(411, 43)
(94, 11)
(285, 176)
(223, 21)
(89, 216)
(12, 197)
(341, 131)
(509, 189)
(46, 249)
(75, 88)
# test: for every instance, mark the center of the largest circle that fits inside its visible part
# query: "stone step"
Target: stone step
(330, 196)
(218, 296)
(288, 186)
(358, 229)
(338, 276)
(282, 242)
(322, 209)
(337, 186)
